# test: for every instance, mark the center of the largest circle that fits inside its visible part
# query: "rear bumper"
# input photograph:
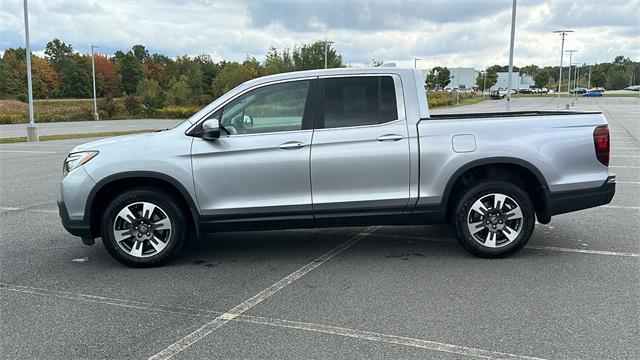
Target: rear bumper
(561, 202)
(74, 227)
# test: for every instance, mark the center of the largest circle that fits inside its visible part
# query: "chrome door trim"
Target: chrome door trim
(361, 126)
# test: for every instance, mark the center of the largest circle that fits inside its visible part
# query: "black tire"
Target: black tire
(478, 191)
(174, 239)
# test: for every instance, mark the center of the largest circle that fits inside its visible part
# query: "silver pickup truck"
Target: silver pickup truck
(339, 147)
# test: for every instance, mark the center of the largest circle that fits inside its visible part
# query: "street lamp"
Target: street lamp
(32, 130)
(415, 62)
(326, 50)
(93, 70)
(513, 35)
(484, 82)
(569, 82)
(562, 33)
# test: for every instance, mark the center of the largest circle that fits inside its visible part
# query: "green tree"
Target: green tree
(57, 51)
(179, 91)
(311, 56)
(541, 79)
(438, 78)
(130, 73)
(150, 94)
(141, 53)
(490, 80)
(75, 74)
(230, 76)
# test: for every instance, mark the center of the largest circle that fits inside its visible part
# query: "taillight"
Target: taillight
(601, 142)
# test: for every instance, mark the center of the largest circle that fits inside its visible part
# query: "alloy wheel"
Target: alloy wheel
(495, 220)
(142, 229)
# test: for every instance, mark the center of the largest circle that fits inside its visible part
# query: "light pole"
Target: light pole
(513, 35)
(589, 81)
(562, 33)
(484, 83)
(415, 62)
(93, 70)
(326, 50)
(32, 130)
(569, 81)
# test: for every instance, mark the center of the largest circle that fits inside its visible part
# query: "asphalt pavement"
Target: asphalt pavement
(376, 292)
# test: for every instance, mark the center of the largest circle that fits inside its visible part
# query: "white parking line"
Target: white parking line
(624, 156)
(583, 251)
(389, 339)
(625, 148)
(628, 182)
(28, 151)
(547, 248)
(298, 325)
(621, 207)
(216, 323)
(46, 211)
(624, 167)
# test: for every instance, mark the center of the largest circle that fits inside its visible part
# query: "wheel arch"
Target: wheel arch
(509, 168)
(114, 184)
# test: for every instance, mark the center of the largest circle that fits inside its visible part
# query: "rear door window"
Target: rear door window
(358, 101)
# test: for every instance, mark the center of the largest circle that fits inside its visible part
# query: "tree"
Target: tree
(150, 94)
(75, 77)
(179, 91)
(106, 76)
(45, 79)
(130, 72)
(541, 79)
(57, 51)
(311, 56)
(530, 70)
(141, 53)
(438, 78)
(490, 80)
(230, 76)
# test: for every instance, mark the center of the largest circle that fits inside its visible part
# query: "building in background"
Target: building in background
(517, 81)
(462, 78)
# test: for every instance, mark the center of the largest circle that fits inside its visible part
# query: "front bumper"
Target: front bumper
(561, 202)
(74, 227)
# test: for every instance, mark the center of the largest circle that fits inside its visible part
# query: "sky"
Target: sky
(451, 33)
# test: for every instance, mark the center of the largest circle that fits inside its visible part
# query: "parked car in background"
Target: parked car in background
(597, 89)
(593, 93)
(633, 88)
(336, 147)
(578, 91)
(525, 91)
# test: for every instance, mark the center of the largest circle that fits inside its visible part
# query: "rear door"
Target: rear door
(360, 150)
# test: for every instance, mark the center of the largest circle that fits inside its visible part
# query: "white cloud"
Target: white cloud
(451, 33)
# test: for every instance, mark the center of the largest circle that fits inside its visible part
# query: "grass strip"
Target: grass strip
(9, 140)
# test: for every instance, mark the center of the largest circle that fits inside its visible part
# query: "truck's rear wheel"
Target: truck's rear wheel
(494, 219)
(143, 227)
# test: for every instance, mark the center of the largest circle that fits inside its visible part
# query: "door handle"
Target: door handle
(390, 137)
(292, 145)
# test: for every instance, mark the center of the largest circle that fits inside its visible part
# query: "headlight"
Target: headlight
(75, 160)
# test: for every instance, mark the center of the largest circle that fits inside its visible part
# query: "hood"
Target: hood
(116, 140)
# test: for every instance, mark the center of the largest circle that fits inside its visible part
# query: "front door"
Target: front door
(360, 151)
(257, 172)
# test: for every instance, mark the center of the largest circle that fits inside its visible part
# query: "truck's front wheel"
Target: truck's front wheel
(494, 219)
(143, 227)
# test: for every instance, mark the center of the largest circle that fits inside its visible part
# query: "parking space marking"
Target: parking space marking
(622, 207)
(584, 251)
(628, 182)
(216, 323)
(624, 167)
(379, 337)
(28, 151)
(45, 211)
(260, 320)
(533, 247)
(624, 156)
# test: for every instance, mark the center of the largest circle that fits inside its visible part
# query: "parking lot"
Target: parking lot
(376, 292)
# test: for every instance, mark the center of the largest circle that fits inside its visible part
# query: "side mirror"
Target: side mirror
(211, 129)
(247, 121)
